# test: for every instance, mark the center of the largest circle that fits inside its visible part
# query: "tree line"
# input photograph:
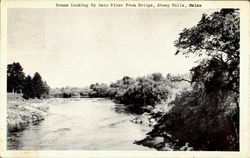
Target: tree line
(30, 87)
(69, 92)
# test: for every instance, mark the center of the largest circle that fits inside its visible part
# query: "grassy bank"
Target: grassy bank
(21, 112)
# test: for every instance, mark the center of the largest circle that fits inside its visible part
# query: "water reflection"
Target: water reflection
(127, 109)
(13, 137)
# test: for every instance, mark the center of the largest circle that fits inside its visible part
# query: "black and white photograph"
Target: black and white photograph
(123, 79)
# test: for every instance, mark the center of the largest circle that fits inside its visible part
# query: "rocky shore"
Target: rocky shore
(152, 114)
(21, 112)
(162, 143)
(150, 117)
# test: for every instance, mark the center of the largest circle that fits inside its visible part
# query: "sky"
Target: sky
(77, 47)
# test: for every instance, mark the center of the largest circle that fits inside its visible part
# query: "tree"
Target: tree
(98, 90)
(28, 88)
(127, 80)
(156, 77)
(207, 116)
(216, 40)
(15, 77)
(45, 90)
(38, 88)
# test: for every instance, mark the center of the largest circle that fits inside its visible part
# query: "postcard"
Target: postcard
(124, 79)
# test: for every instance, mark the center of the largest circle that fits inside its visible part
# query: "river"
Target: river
(82, 124)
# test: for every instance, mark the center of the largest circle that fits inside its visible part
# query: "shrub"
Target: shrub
(205, 121)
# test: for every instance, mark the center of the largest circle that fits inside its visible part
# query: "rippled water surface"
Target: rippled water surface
(85, 124)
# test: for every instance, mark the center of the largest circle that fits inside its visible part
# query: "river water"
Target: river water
(83, 124)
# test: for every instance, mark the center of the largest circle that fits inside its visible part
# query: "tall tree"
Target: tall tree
(37, 82)
(206, 117)
(15, 77)
(215, 39)
(46, 88)
(28, 91)
(157, 77)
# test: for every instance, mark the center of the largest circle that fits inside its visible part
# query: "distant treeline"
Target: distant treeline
(31, 87)
(140, 92)
(69, 92)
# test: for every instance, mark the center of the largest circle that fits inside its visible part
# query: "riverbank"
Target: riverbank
(21, 112)
(151, 118)
(151, 114)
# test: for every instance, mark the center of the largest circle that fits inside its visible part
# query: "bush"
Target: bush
(205, 121)
(138, 92)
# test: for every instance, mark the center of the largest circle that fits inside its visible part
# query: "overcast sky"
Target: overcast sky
(77, 47)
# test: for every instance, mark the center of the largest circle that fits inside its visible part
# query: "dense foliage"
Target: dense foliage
(215, 39)
(138, 92)
(17, 82)
(15, 77)
(207, 117)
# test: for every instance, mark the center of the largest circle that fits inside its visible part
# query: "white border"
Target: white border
(244, 87)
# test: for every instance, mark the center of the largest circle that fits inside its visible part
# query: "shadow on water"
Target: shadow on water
(14, 138)
(36, 123)
(116, 123)
(128, 109)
